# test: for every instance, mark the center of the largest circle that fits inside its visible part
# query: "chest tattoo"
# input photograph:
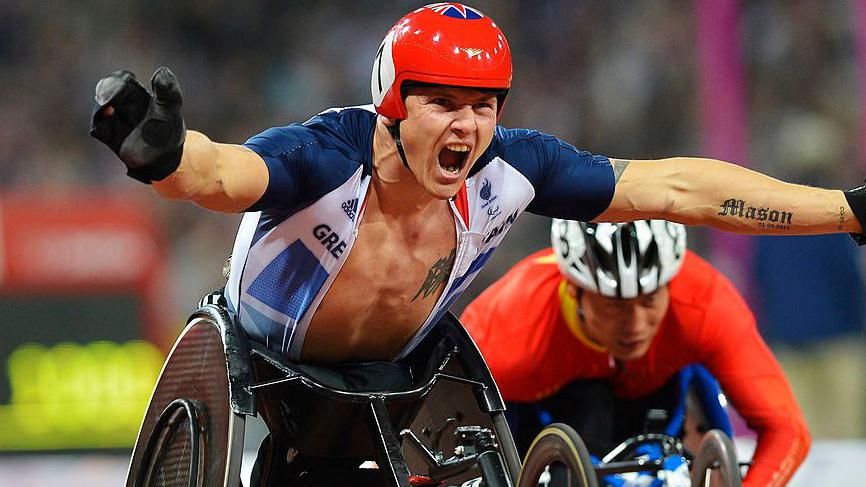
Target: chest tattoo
(437, 275)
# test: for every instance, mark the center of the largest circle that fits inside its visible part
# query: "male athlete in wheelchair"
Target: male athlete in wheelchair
(363, 225)
(618, 325)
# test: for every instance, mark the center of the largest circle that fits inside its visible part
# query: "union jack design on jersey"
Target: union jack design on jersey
(456, 10)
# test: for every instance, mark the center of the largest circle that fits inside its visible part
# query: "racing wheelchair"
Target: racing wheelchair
(657, 456)
(446, 427)
(560, 445)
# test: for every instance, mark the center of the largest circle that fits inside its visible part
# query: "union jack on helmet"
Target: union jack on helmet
(444, 44)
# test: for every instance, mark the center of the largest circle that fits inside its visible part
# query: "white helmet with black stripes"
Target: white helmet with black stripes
(621, 260)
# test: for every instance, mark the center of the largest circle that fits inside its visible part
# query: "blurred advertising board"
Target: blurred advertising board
(82, 276)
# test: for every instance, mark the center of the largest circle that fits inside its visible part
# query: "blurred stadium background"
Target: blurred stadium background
(97, 274)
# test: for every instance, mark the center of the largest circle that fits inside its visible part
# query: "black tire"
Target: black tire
(716, 458)
(558, 443)
(174, 455)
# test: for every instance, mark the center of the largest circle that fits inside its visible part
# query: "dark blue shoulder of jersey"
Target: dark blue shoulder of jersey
(306, 161)
(569, 183)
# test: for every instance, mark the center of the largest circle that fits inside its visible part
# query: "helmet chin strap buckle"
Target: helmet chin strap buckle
(394, 130)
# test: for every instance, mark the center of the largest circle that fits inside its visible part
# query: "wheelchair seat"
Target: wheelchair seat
(225, 378)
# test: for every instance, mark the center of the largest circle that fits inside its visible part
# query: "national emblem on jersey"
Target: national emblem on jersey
(455, 10)
(485, 190)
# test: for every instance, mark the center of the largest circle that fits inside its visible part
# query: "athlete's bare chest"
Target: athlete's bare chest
(391, 281)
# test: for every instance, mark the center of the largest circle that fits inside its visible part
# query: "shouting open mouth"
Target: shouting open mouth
(453, 158)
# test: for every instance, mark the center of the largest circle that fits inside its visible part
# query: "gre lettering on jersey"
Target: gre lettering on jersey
(285, 273)
(329, 239)
(383, 70)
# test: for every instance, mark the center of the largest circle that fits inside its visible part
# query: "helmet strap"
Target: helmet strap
(394, 130)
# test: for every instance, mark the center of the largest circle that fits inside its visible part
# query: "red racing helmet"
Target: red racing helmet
(442, 43)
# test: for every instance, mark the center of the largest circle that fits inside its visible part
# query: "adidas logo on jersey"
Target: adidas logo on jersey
(350, 207)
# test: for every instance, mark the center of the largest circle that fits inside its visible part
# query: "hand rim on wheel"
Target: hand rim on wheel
(716, 452)
(558, 443)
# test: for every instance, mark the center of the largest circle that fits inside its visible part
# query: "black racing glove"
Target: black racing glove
(146, 131)
(857, 201)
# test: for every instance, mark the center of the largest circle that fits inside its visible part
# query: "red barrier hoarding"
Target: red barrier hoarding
(84, 316)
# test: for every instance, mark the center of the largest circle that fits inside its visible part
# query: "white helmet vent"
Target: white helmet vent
(621, 260)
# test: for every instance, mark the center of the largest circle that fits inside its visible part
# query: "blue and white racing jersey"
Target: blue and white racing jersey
(293, 242)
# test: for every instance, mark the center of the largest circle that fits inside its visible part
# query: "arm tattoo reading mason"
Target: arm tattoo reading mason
(619, 166)
(763, 217)
(841, 225)
(437, 275)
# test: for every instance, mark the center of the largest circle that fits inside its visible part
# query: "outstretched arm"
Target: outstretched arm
(148, 133)
(708, 192)
(221, 177)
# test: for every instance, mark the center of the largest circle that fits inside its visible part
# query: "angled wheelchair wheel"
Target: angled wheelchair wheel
(174, 450)
(558, 451)
(716, 463)
(190, 436)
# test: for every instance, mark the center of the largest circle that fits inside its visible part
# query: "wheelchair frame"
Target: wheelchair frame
(560, 443)
(213, 378)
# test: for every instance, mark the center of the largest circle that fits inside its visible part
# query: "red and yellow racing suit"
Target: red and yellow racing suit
(526, 327)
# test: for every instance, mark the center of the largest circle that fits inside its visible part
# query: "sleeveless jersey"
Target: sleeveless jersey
(293, 242)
